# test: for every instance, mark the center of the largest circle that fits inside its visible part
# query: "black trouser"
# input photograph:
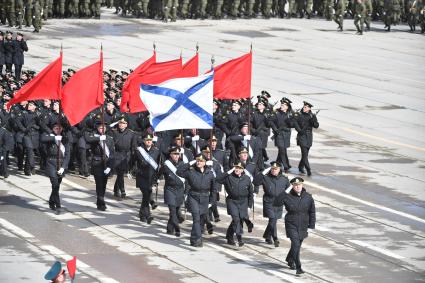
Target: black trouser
(3, 165)
(145, 211)
(213, 212)
(101, 181)
(9, 68)
(282, 157)
(54, 196)
(235, 227)
(294, 252)
(304, 158)
(205, 221)
(20, 153)
(119, 182)
(29, 160)
(18, 69)
(83, 161)
(173, 221)
(1, 69)
(271, 229)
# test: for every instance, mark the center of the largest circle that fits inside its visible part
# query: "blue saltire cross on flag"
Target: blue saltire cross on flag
(185, 103)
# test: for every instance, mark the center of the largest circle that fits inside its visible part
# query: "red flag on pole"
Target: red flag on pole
(83, 92)
(154, 74)
(132, 88)
(72, 267)
(46, 85)
(232, 80)
(190, 68)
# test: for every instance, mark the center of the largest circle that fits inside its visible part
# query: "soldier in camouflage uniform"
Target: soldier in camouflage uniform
(368, 13)
(19, 10)
(328, 9)
(359, 16)
(3, 14)
(392, 12)
(95, 8)
(28, 12)
(37, 15)
(340, 7)
(184, 8)
(170, 10)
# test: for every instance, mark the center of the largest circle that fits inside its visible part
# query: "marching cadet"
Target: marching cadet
(274, 183)
(185, 153)
(3, 150)
(244, 139)
(217, 170)
(174, 188)
(304, 124)
(147, 157)
(261, 126)
(282, 124)
(28, 125)
(102, 148)
(251, 170)
(201, 189)
(2, 52)
(57, 158)
(239, 197)
(125, 144)
(300, 216)
(219, 123)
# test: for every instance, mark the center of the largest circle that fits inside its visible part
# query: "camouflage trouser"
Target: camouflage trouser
(3, 14)
(170, 9)
(28, 12)
(369, 10)
(328, 9)
(217, 7)
(266, 8)
(281, 8)
(19, 10)
(184, 8)
(73, 8)
(234, 10)
(95, 7)
(248, 7)
(85, 8)
(359, 22)
(341, 5)
(37, 16)
(309, 6)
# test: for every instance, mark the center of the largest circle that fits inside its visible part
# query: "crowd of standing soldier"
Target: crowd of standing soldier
(20, 13)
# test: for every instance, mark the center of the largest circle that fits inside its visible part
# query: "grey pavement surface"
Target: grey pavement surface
(368, 159)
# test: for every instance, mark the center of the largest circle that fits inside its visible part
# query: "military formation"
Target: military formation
(195, 165)
(19, 13)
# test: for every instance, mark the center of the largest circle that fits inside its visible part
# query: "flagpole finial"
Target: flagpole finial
(154, 46)
(61, 46)
(101, 46)
(181, 53)
(212, 60)
(251, 47)
(197, 47)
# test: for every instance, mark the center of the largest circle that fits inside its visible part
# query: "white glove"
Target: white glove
(60, 171)
(209, 163)
(255, 196)
(58, 138)
(192, 162)
(209, 205)
(155, 139)
(1, 157)
(266, 171)
(247, 138)
(181, 150)
(102, 138)
(195, 138)
(107, 170)
(230, 171)
(129, 176)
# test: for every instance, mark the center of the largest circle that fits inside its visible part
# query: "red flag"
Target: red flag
(190, 68)
(83, 92)
(232, 80)
(156, 73)
(132, 88)
(46, 85)
(72, 266)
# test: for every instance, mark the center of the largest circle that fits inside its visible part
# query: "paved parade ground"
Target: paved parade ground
(368, 159)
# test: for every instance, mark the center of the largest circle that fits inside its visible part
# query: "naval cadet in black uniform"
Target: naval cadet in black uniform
(300, 216)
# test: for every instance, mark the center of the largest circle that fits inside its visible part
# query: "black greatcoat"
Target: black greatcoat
(125, 143)
(2, 53)
(281, 123)
(173, 187)
(52, 152)
(273, 186)
(239, 194)
(146, 174)
(201, 187)
(304, 124)
(301, 213)
(9, 49)
(19, 48)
